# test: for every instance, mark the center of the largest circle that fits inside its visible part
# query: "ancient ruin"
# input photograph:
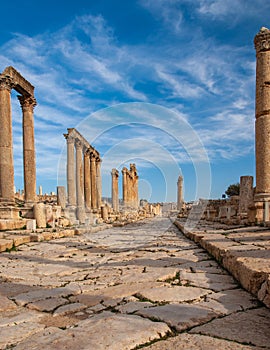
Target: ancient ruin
(83, 176)
(115, 195)
(180, 199)
(262, 124)
(130, 187)
(11, 79)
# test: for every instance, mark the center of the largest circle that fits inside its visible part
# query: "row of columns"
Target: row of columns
(83, 176)
(28, 103)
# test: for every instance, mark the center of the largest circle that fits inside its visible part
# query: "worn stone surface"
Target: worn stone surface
(251, 327)
(121, 288)
(179, 316)
(197, 342)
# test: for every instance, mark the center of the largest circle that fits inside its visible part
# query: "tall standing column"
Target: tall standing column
(93, 172)
(99, 183)
(29, 155)
(180, 193)
(71, 182)
(262, 127)
(124, 185)
(87, 180)
(115, 199)
(79, 182)
(6, 144)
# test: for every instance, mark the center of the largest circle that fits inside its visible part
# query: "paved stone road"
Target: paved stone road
(140, 286)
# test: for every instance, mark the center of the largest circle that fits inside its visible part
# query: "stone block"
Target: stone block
(31, 225)
(40, 214)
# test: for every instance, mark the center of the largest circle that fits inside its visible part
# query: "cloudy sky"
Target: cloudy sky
(166, 84)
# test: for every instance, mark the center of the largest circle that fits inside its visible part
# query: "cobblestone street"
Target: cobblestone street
(144, 285)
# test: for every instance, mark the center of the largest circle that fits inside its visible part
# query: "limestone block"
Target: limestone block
(49, 215)
(5, 244)
(40, 214)
(31, 224)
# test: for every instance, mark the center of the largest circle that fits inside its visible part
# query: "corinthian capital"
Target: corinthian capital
(27, 102)
(6, 82)
(262, 40)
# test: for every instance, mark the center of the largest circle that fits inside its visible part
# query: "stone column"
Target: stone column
(29, 155)
(180, 193)
(87, 180)
(71, 183)
(80, 182)
(115, 200)
(99, 183)
(262, 127)
(136, 188)
(246, 194)
(93, 172)
(124, 185)
(6, 143)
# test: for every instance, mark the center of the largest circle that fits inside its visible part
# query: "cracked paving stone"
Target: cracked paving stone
(179, 316)
(108, 331)
(249, 327)
(198, 342)
(173, 293)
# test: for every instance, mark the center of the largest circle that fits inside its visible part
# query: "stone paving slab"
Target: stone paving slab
(179, 316)
(107, 331)
(120, 288)
(250, 327)
(198, 342)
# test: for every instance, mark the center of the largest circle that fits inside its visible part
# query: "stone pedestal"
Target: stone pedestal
(40, 215)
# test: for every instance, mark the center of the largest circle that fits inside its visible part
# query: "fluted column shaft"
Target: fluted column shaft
(87, 180)
(71, 182)
(6, 143)
(29, 154)
(99, 183)
(93, 172)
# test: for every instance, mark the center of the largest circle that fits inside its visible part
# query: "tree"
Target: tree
(233, 190)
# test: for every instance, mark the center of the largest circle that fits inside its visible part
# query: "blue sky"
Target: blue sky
(167, 84)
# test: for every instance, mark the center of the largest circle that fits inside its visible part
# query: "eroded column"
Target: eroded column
(6, 143)
(124, 185)
(93, 172)
(115, 199)
(80, 182)
(71, 182)
(87, 180)
(180, 193)
(99, 183)
(262, 127)
(29, 155)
